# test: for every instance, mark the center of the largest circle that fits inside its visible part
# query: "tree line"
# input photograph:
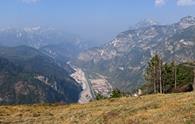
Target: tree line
(167, 77)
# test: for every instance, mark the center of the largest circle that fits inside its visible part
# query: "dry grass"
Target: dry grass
(152, 109)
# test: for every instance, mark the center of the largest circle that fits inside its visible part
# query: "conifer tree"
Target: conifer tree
(153, 73)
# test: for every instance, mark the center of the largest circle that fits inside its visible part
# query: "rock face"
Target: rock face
(124, 59)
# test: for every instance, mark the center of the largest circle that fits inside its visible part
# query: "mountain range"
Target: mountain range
(46, 65)
(123, 60)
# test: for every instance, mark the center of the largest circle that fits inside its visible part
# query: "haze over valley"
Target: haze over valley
(121, 60)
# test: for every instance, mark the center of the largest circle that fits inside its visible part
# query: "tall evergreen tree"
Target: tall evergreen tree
(153, 73)
(175, 74)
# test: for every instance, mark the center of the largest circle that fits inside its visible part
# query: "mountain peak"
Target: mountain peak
(188, 19)
(186, 22)
(146, 23)
(31, 29)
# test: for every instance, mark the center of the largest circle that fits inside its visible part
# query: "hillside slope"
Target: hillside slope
(27, 76)
(152, 109)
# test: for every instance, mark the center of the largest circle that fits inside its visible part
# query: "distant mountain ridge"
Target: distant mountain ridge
(57, 44)
(35, 36)
(124, 59)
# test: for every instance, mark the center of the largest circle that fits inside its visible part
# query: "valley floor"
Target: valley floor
(151, 109)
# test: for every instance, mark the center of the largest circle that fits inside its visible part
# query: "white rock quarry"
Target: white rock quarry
(101, 85)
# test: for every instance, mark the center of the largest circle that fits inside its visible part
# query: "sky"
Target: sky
(98, 20)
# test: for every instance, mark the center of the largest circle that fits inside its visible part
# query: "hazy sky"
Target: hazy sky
(93, 19)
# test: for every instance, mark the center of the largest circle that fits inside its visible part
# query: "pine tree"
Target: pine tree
(175, 74)
(153, 73)
(160, 75)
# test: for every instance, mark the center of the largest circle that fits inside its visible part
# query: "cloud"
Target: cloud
(30, 1)
(160, 3)
(185, 2)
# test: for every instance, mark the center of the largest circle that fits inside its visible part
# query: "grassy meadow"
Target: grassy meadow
(151, 109)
